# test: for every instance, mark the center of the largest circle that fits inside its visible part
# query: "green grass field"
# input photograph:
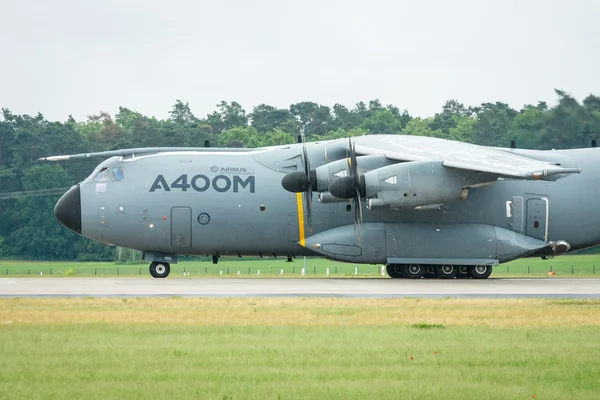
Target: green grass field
(299, 348)
(566, 266)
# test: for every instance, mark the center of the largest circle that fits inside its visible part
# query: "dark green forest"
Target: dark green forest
(28, 229)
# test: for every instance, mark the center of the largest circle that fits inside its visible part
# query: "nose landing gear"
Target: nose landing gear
(160, 269)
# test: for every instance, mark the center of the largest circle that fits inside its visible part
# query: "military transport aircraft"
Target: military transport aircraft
(424, 207)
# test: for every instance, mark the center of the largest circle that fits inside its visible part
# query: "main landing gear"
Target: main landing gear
(446, 271)
(160, 269)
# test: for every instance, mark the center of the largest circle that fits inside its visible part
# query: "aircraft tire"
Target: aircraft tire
(480, 271)
(463, 272)
(429, 272)
(159, 270)
(413, 271)
(394, 271)
(446, 271)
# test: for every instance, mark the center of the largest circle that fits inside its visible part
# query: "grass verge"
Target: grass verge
(299, 348)
(566, 266)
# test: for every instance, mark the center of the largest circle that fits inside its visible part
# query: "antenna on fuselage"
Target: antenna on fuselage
(513, 144)
(593, 144)
(206, 143)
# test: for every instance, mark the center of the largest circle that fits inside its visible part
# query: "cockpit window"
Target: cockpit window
(102, 176)
(117, 174)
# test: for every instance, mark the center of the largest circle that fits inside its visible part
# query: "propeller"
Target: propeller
(309, 183)
(303, 181)
(351, 186)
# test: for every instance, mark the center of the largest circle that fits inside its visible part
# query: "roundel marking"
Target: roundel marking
(203, 218)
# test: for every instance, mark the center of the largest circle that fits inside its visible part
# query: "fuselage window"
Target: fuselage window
(117, 174)
(102, 176)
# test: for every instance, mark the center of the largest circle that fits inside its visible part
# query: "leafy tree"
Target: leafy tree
(315, 119)
(344, 118)
(7, 137)
(232, 114)
(103, 133)
(267, 118)
(527, 126)
(341, 134)
(564, 127)
(463, 131)
(382, 122)
(181, 114)
(448, 119)
(591, 121)
(421, 127)
(275, 137)
(239, 136)
(494, 123)
(37, 233)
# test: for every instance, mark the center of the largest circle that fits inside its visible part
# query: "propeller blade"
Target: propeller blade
(308, 195)
(309, 183)
(358, 213)
(354, 165)
(351, 187)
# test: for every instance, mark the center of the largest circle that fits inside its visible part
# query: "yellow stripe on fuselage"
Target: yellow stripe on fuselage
(300, 219)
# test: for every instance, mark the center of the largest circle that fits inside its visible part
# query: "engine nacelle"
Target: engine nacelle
(329, 172)
(416, 183)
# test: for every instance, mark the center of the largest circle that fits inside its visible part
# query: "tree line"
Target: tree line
(27, 225)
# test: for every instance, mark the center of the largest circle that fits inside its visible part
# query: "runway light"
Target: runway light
(164, 217)
(151, 225)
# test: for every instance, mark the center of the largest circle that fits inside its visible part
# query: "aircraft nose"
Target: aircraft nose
(68, 209)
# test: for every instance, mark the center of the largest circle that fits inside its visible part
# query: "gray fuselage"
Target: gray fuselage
(232, 203)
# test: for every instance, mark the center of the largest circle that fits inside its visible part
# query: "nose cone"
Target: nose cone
(68, 209)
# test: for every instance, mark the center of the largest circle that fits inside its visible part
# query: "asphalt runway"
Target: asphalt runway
(226, 287)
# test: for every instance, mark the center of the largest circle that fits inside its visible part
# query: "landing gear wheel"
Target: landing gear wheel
(463, 272)
(480, 271)
(394, 270)
(159, 270)
(413, 271)
(429, 272)
(446, 271)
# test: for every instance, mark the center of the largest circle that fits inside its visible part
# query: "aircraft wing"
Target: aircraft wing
(498, 161)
